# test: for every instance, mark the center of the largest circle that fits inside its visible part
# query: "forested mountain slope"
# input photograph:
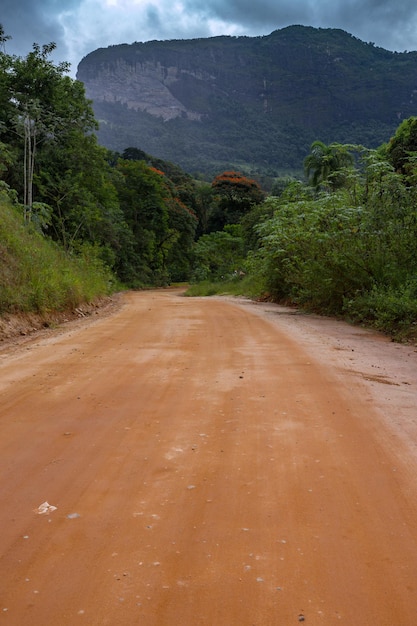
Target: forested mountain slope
(253, 103)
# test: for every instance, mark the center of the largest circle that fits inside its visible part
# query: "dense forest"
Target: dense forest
(342, 240)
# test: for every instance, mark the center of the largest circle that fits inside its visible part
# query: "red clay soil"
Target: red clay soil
(212, 462)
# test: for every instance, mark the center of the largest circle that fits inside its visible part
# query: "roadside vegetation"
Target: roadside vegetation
(95, 220)
(343, 242)
(78, 221)
(36, 274)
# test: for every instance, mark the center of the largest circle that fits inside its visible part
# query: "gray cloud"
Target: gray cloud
(80, 26)
(390, 24)
(29, 22)
(262, 14)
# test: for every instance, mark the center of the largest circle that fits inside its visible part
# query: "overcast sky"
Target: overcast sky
(80, 26)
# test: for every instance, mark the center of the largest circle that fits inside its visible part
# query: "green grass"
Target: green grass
(392, 313)
(246, 286)
(37, 276)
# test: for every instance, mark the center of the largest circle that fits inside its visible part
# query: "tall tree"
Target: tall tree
(42, 107)
(236, 194)
(179, 198)
(401, 150)
(5, 79)
(141, 195)
(325, 164)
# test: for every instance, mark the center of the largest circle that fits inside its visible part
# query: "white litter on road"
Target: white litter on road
(45, 507)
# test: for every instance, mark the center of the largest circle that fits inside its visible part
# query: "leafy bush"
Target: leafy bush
(219, 255)
(351, 253)
(310, 252)
(391, 310)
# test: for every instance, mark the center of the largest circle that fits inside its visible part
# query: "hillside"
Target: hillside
(254, 103)
(39, 284)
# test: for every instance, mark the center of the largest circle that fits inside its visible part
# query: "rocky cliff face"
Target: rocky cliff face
(250, 103)
(141, 87)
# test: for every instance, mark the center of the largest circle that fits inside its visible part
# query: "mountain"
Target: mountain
(249, 103)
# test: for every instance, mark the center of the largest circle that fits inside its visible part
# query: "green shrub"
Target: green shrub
(391, 310)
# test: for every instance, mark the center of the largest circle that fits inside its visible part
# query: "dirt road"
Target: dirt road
(212, 462)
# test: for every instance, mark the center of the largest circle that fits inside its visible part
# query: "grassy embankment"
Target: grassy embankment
(36, 276)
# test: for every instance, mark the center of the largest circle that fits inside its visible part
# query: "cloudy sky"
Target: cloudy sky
(80, 26)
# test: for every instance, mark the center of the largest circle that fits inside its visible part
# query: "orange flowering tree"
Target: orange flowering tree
(236, 195)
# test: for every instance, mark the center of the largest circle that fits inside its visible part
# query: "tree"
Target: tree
(179, 198)
(5, 79)
(33, 82)
(29, 126)
(75, 179)
(219, 254)
(236, 195)
(401, 150)
(141, 194)
(325, 165)
(42, 107)
(204, 204)
(182, 224)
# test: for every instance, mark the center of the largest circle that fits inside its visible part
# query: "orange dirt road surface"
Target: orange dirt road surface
(212, 462)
